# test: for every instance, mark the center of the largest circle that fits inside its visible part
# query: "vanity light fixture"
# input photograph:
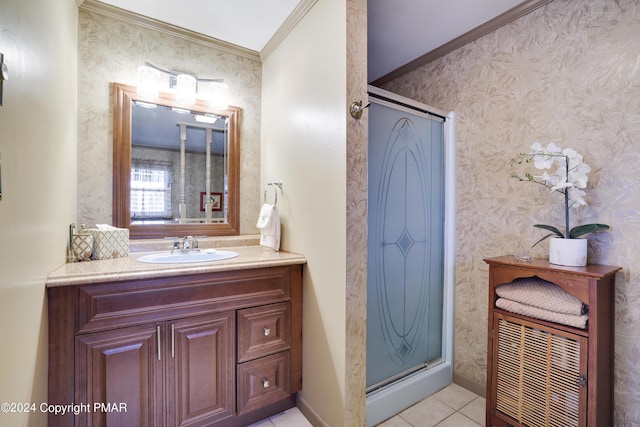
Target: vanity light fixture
(187, 87)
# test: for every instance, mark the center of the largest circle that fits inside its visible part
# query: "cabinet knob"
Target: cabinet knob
(582, 380)
(266, 331)
(265, 383)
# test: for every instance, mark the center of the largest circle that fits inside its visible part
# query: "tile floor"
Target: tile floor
(453, 406)
(289, 418)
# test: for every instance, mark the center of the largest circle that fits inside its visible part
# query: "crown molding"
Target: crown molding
(472, 35)
(154, 24)
(287, 26)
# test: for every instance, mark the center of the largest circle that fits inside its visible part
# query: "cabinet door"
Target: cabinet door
(119, 378)
(201, 374)
(539, 374)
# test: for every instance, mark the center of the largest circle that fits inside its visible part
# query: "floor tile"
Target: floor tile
(396, 421)
(452, 406)
(457, 420)
(455, 396)
(475, 410)
(263, 423)
(290, 418)
(427, 413)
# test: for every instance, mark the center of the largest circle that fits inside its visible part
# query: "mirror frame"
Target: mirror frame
(123, 97)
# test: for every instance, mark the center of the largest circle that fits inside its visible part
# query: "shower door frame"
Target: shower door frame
(391, 399)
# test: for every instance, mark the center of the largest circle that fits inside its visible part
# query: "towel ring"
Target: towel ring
(275, 191)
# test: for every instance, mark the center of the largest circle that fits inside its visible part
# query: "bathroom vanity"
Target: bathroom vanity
(134, 344)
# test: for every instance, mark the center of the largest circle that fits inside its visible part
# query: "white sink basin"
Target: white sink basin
(206, 255)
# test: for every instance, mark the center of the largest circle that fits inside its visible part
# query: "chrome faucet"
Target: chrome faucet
(187, 243)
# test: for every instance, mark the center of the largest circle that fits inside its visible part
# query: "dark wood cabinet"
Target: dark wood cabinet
(200, 369)
(219, 349)
(562, 375)
(120, 367)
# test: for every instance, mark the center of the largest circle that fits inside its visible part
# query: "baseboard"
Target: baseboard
(471, 385)
(309, 413)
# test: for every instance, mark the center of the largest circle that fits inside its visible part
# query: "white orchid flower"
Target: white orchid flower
(553, 149)
(577, 198)
(537, 147)
(561, 185)
(579, 180)
(578, 175)
(545, 177)
(543, 161)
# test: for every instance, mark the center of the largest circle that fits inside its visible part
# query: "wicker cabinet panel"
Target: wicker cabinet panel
(540, 373)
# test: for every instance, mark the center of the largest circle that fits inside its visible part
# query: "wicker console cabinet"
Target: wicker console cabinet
(541, 373)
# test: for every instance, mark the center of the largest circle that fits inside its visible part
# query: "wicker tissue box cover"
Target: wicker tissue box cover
(113, 243)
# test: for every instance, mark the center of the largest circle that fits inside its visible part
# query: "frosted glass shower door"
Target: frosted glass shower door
(405, 243)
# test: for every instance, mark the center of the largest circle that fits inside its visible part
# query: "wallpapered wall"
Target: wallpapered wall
(568, 73)
(111, 50)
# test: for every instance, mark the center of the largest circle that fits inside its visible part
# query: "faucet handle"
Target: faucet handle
(187, 243)
(195, 242)
(176, 243)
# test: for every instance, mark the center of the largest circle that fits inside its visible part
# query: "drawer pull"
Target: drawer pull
(158, 343)
(266, 331)
(173, 340)
(265, 383)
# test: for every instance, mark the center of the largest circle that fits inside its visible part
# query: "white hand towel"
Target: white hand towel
(269, 225)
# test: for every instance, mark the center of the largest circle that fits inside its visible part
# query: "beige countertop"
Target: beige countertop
(127, 268)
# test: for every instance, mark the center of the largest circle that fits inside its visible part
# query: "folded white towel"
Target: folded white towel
(269, 225)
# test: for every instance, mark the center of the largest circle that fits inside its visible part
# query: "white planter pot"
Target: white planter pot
(569, 252)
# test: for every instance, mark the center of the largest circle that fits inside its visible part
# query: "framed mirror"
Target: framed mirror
(175, 167)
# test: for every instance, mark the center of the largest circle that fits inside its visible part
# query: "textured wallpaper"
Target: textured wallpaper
(567, 73)
(110, 50)
(356, 261)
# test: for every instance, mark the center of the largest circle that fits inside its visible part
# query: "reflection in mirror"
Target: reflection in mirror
(177, 153)
(175, 167)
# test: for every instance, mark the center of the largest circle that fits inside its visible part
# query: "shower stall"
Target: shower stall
(411, 252)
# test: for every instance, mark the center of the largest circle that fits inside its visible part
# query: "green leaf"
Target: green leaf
(545, 237)
(554, 230)
(581, 230)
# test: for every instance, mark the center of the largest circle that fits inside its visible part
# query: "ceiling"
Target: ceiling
(402, 31)
(246, 23)
(399, 32)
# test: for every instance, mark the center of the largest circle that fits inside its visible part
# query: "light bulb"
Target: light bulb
(186, 89)
(148, 82)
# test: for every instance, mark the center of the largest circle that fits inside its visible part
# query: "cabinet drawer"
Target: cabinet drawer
(263, 330)
(263, 381)
(127, 303)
